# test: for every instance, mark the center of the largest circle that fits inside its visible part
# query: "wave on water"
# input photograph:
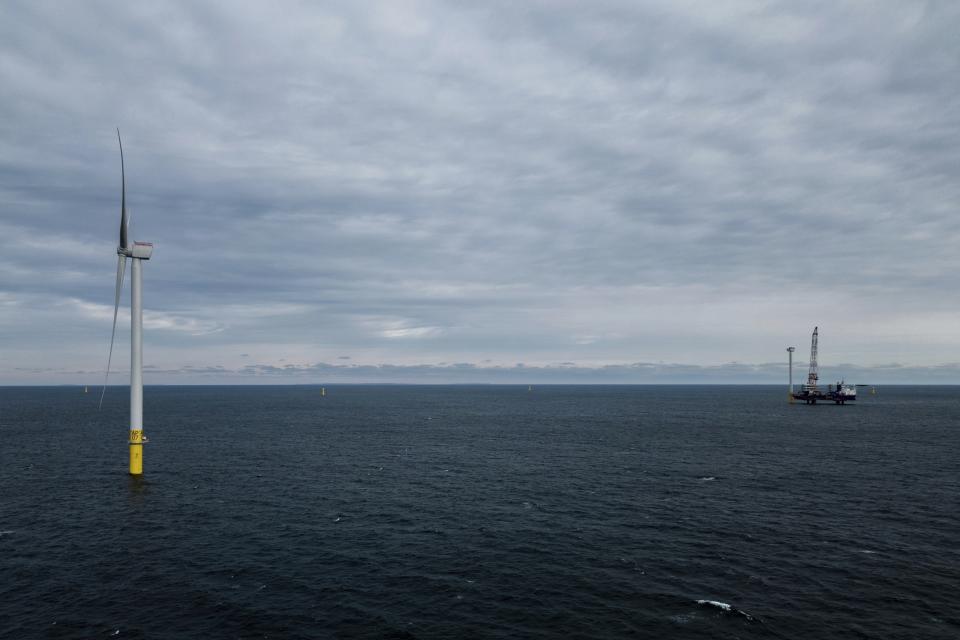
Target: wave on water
(727, 608)
(683, 618)
(715, 603)
(354, 517)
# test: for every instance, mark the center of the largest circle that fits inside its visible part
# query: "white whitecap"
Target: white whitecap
(715, 603)
(723, 606)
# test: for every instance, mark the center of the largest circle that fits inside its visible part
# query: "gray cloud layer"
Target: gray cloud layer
(416, 183)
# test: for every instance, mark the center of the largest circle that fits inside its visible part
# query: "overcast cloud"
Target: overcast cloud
(479, 192)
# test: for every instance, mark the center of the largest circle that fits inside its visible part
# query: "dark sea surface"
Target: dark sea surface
(480, 512)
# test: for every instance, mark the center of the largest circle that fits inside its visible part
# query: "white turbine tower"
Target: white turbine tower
(137, 252)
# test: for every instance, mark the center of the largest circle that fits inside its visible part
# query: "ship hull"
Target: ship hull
(818, 396)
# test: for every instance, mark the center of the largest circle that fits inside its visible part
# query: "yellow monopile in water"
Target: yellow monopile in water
(136, 452)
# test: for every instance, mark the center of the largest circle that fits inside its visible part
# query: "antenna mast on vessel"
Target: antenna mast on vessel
(790, 351)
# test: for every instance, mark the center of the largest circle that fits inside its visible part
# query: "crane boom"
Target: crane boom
(812, 377)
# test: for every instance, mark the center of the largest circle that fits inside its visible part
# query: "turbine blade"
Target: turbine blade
(124, 220)
(121, 267)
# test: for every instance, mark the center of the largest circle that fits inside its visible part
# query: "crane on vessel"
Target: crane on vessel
(813, 376)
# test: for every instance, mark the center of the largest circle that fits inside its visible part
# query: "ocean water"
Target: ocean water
(480, 512)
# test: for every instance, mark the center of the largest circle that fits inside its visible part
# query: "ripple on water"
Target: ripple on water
(586, 511)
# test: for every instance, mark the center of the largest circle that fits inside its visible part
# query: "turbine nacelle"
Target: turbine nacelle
(139, 250)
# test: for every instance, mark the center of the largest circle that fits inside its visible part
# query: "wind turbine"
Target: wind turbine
(137, 252)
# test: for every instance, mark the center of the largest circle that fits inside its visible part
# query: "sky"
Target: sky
(522, 192)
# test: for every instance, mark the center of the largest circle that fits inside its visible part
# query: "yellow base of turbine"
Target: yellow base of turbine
(136, 452)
